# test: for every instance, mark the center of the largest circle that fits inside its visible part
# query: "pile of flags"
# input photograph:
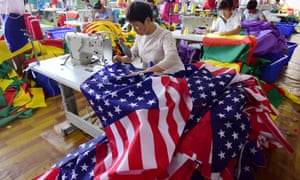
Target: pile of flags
(202, 123)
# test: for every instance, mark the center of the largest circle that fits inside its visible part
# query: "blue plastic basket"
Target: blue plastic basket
(58, 33)
(286, 28)
(271, 71)
(49, 86)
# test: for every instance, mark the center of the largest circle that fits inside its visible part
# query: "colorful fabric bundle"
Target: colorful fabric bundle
(203, 122)
(17, 99)
(235, 48)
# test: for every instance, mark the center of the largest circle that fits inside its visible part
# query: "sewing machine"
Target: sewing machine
(89, 48)
(192, 22)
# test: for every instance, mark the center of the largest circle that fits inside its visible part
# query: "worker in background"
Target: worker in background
(103, 13)
(12, 12)
(87, 4)
(228, 22)
(251, 13)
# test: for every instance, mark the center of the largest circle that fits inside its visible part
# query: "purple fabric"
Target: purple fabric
(269, 39)
(187, 53)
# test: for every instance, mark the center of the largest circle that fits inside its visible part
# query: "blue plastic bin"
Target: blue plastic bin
(49, 86)
(271, 71)
(58, 33)
(286, 28)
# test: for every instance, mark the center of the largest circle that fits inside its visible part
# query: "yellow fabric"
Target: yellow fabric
(223, 64)
(6, 54)
(4, 83)
(38, 99)
(292, 97)
(236, 37)
(12, 73)
(21, 98)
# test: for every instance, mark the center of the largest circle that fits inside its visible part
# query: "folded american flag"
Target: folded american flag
(195, 124)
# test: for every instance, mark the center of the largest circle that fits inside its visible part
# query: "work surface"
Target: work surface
(69, 74)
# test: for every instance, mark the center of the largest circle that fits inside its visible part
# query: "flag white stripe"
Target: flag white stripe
(147, 141)
(163, 125)
(176, 113)
(126, 124)
(177, 162)
(119, 145)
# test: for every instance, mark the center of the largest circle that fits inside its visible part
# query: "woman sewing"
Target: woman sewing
(152, 43)
(228, 22)
(103, 13)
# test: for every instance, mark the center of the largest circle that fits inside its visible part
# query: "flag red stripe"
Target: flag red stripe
(101, 154)
(135, 148)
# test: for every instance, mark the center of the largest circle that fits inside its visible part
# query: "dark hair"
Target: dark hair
(226, 4)
(252, 4)
(98, 5)
(150, 1)
(138, 11)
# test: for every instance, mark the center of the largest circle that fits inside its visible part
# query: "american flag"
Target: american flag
(143, 116)
(204, 122)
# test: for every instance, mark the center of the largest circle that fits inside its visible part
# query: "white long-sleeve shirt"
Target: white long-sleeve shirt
(12, 6)
(158, 47)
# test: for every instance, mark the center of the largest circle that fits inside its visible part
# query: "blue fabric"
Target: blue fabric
(13, 33)
(104, 15)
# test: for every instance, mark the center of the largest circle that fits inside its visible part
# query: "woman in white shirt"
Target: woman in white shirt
(228, 23)
(152, 43)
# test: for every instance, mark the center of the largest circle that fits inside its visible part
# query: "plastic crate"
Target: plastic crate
(49, 86)
(270, 72)
(58, 33)
(292, 46)
(286, 28)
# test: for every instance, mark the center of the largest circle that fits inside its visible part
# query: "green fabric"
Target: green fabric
(4, 112)
(226, 53)
(275, 98)
(5, 119)
(246, 69)
(4, 70)
(2, 99)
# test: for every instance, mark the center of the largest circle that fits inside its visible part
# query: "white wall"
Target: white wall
(295, 4)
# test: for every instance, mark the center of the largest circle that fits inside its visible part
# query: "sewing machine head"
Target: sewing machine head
(87, 48)
(192, 22)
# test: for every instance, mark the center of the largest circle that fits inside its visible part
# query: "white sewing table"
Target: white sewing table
(189, 37)
(69, 77)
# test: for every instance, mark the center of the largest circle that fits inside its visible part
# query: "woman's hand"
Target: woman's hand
(122, 59)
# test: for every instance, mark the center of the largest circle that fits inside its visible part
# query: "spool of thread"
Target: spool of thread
(176, 8)
(186, 31)
(184, 8)
(193, 10)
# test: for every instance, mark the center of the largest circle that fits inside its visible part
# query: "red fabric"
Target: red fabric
(36, 29)
(53, 42)
(27, 21)
(9, 95)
